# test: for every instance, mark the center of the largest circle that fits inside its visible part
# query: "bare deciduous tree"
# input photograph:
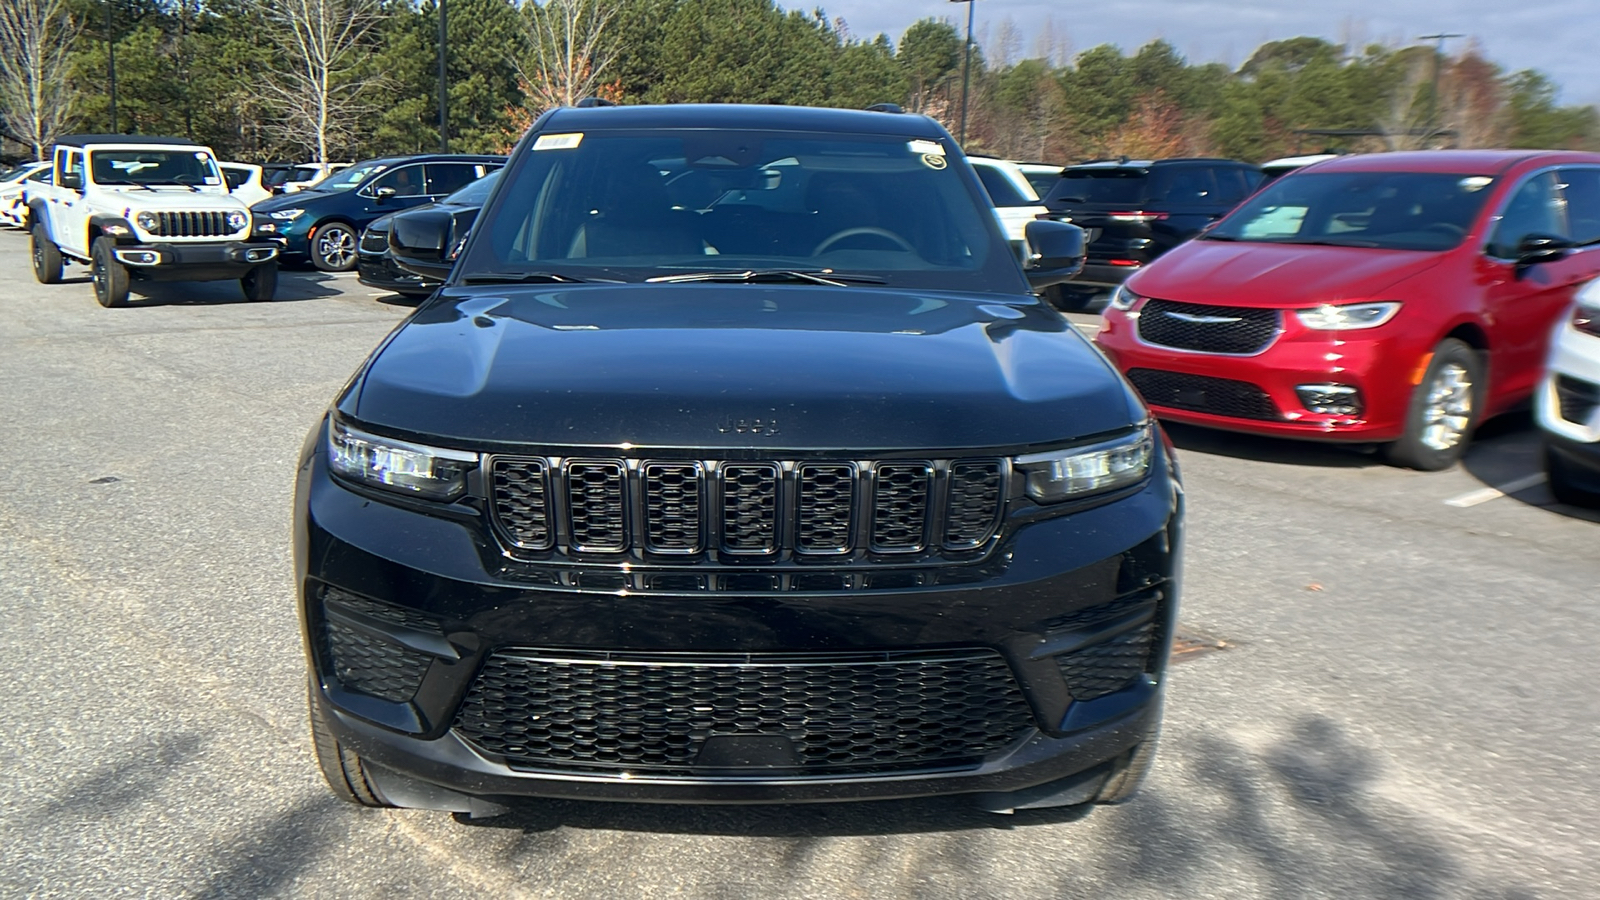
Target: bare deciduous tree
(323, 43)
(35, 98)
(567, 56)
(1404, 125)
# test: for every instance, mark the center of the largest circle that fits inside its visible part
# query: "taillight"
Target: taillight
(1140, 217)
(1130, 263)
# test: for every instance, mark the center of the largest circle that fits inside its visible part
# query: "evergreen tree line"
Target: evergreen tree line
(294, 79)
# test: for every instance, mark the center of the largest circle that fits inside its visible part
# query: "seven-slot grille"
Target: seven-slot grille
(821, 713)
(1239, 330)
(193, 224)
(756, 509)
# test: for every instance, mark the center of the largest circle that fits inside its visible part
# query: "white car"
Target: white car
(146, 209)
(1015, 203)
(1043, 176)
(307, 175)
(244, 181)
(1277, 168)
(13, 209)
(1567, 404)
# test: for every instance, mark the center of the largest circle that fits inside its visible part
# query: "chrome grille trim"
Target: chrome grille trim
(193, 223)
(597, 511)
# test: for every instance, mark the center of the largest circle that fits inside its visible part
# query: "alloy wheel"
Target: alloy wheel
(1448, 409)
(337, 247)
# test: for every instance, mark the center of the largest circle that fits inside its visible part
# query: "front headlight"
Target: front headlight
(287, 215)
(1069, 474)
(148, 222)
(238, 220)
(1124, 299)
(398, 465)
(1348, 316)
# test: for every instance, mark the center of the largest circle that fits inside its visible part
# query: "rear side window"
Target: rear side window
(1119, 186)
(447, 178)
(1001, 191)
(1582, 191)
(1235, 184)
(1535, 207)
(1184, 186)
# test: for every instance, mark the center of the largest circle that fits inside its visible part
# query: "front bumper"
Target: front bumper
(171, 261)
(379, 271)
(1380, 363)
(1019, 602)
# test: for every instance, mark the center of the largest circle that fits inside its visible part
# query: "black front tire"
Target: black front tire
(260, 283)
(46, 257)
(1563, 486)
(333, 247)
(1442, 413)
(110, 277)
(341, 767)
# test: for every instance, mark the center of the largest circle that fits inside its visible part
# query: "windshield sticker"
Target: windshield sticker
(201, 156)
(933, 160)
(558, 141)
(1475, 183)
(926, 148)
(212, 179)
(132, 165)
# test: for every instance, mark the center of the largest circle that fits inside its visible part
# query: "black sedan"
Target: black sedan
(375, 265)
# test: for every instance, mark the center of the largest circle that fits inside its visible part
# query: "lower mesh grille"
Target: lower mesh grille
(837, 714)
(370, 665)
(1107, 667)
(1202, 393)
(1577, 399)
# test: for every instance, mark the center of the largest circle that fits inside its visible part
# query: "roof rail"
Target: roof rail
(591, 102)
(885, 108)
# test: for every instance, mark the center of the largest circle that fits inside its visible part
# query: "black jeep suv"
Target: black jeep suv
(1135, 210)
(735, 462)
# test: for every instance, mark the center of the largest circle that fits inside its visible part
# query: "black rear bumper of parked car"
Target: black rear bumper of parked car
(464, 674)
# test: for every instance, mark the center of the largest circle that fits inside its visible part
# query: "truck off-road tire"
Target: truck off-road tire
(1562, 485)
(333, 247)
(260, 283)
(1131, 769)
(1444, 409)
(110, 277)
(340, 766)
(46, 257)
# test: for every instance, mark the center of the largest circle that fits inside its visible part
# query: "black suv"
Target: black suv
(735, 462)
(1136, 210)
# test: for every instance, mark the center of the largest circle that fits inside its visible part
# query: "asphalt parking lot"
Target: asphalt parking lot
(1404, 703)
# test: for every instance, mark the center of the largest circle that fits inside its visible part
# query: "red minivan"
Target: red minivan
(1396, 298)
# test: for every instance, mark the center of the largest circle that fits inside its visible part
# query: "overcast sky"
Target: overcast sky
(1559, 37)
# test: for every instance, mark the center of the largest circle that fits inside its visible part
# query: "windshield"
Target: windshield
(151, 166)
(345, 179)
(638, 205)
(475, 193)
(1387, 210)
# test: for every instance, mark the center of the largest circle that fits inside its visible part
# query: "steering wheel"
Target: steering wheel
(1447, 228)
(884, 233)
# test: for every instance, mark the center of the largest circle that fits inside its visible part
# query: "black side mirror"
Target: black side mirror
(421, 241)
(72, 180)
(1055, 253)
(1541, 248)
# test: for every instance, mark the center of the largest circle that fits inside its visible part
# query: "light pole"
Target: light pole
(966, 68)
(1433, 97)
(444, 85)
(111, 64)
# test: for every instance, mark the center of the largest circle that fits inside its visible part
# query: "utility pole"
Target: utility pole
(1434, 125)
(111, 63)
(966, 68)
(444, 84)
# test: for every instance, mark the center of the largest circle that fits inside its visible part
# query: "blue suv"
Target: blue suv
(322, 223)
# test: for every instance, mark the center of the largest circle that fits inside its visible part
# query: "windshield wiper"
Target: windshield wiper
(120, 183)
(772, 276)
(1327, 243)
(1208, 236)
(524, 278)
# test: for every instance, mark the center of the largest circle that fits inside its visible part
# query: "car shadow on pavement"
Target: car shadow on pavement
(1304, 817)
(1270, 449)
(1508, 451)
(292, 286)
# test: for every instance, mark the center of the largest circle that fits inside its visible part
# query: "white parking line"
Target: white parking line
(1484, 495)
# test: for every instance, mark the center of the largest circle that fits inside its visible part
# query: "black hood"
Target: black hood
(684, 365)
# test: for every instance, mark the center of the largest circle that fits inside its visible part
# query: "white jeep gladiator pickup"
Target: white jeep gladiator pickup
(146, 209)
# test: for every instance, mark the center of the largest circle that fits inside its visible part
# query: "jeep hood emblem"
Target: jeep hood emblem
(748, 426)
